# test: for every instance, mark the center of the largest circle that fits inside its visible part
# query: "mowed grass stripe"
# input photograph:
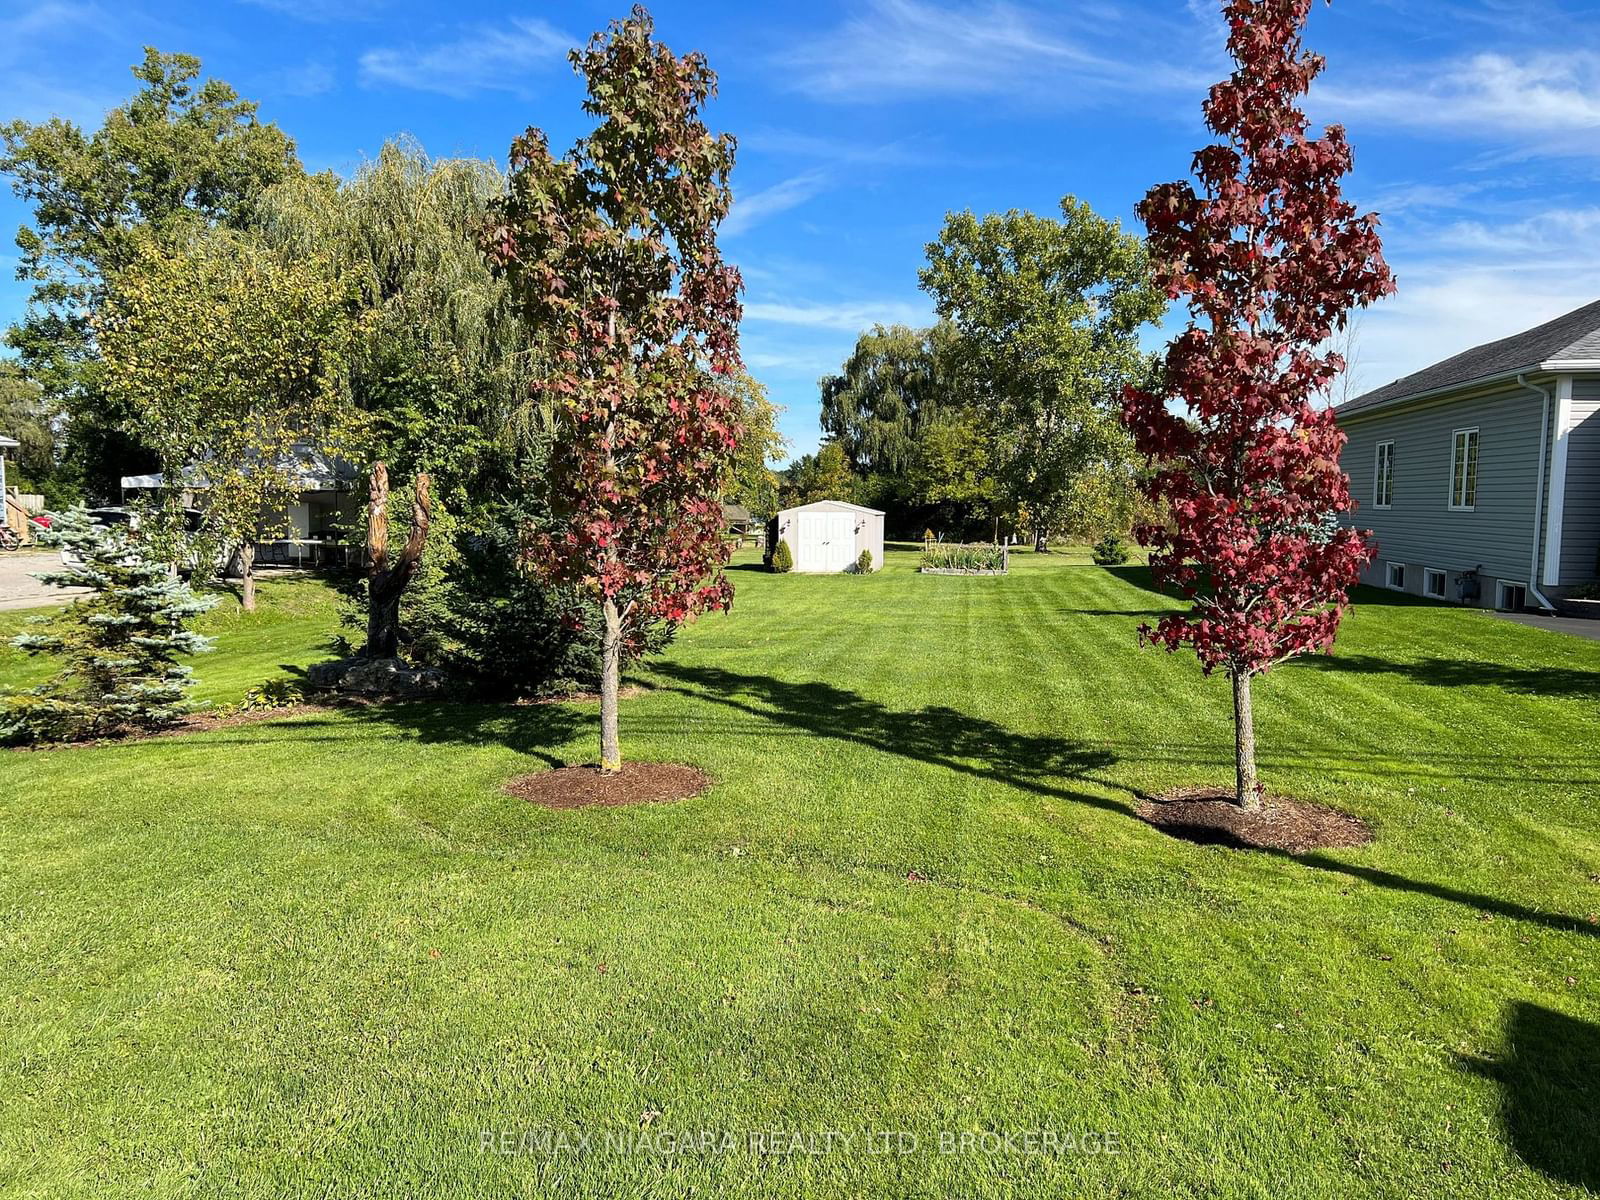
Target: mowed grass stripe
(335, 936)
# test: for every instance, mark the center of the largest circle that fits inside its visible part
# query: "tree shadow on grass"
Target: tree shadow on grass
(1142, 578)
(1458, 673)
(531, 729)
(1473, 900)
(1549, 1081)
(936, 734)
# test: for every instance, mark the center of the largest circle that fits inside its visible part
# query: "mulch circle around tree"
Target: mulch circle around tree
(589, 787)
(1210, 817)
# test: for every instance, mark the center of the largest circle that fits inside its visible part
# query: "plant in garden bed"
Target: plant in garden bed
(960, 556)
(118, 646)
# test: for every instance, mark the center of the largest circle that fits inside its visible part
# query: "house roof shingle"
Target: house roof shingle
(1575, 335)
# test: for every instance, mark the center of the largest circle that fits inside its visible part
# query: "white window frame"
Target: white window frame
(1429, 574)
(1501, 587)
(1475, 443)
(1389, 568)
(1378, 479)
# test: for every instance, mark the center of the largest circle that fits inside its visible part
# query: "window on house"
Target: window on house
(1464, 469)
(1395, 576)
(1510, 597)
(1433, 583)
(1383, 476)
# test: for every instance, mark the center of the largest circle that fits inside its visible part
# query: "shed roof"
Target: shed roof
(823, 504)
(1573, 337)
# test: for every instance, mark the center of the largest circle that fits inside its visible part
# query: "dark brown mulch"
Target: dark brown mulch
(1210, 817)
(589, 787)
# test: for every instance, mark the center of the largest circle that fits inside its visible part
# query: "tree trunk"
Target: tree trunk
(610, 678)
(387, 582)
(1246, 790)
(1041, 544)
(247, 576)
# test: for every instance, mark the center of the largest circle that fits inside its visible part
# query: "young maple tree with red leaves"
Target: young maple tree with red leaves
(1270, 258)
(611, 253)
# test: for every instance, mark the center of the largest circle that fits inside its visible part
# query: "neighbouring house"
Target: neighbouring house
(738, 523)
(1480, 475)
(829, 535)
(16, 512)
(319, 524)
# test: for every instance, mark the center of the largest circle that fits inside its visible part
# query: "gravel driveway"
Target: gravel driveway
(18, 587)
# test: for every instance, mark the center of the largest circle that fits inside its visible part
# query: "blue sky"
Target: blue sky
(1476, 128)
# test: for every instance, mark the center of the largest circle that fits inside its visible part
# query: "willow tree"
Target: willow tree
(439, 366)
(612, 253)
(232, 364)
(887, 392)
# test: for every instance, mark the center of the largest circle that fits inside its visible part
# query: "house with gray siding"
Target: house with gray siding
(1485, 464)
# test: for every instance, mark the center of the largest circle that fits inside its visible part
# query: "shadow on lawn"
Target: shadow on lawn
(1549, 1080)
(1457, 673)
(1473, 900)
(532, 729)
(938, 734)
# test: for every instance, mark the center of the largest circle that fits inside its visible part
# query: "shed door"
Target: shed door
(827, 541)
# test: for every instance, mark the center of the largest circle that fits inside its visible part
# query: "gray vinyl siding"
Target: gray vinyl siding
(1580, 525)
(1419, 529)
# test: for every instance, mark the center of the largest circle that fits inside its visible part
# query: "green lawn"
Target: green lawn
(320, 956)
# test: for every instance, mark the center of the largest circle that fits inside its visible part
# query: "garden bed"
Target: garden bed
(958, 558)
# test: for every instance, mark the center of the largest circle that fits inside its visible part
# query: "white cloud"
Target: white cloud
(1552, 95)
(1404, 198)
(308, 79)
(1469, 282)
(748, 211)
(45, 21)
(322, 10)
(481, 59)
(82, 29)
(918, 47)
(1554, 236)
(850, 317)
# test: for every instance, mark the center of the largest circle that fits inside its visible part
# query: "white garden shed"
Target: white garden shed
(829, 535)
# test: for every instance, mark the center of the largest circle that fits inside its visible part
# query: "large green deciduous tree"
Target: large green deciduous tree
(180, 154)
(825, 475)
(1048, 313)
(231, 363)
(754, 483)
(25, 415)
